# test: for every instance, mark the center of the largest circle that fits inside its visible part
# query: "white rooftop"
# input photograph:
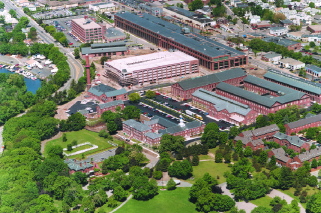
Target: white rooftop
(150, 61)
(86, 23)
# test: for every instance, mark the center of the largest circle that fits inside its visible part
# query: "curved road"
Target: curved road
(76, 69)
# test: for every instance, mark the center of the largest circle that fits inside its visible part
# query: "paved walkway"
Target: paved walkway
(121, 205)
(286, 197)
(248, 207)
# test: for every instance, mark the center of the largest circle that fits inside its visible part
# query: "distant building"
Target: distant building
(289, 44)
(113, 34)
(185, 89)
(84, 166)
(291, 63)
(102, 7)
(305, 123)
(223, 108)
(278, 31)
(150, 132)
(105, 49)
(151, 68)
(314, 28)
(106, 93)
(295, 35)
(282, 158)
(313, 70)
(311, 38)
(272, 57)
(86, 30)
(211, 54)
(310, 88)
(286, 22)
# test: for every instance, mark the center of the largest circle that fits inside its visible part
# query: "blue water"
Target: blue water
(32, 85)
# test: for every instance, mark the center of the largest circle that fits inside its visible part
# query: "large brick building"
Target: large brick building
(289, 44)
(150, 132)
(185, 89)
(104, 93)
(211, 54)
(310, 88)
(87, 30)
(220, 107)
(263, 96)
(151, 67)
(308, 122)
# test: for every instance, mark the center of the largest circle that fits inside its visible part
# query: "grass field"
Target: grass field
(214, 169)
(83, 136)
(166, 201)
(263, 201)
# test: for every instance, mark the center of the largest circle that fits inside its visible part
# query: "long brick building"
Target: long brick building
(310, 88)
(263, 96)
(211, 54)
(296, 126)
(291, 142)
(104, 93)
(185, 89)
(224, 108)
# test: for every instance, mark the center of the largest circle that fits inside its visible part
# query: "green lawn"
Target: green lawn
(166, 201)
(83, 136)
(263, 201)
(214, 169)
(205, 157)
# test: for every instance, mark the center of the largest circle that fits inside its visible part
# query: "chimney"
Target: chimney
(88, 72)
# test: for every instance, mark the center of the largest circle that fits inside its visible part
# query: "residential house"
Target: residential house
(278, 31)
(84, 166)
(311, 11)
(289, 44)
(291, 142)
(272, 57)
(281, 157)
(308, 122)
(102, 7)
(313, 70)
(291, 63)
(206, 10)
(311, 38)
(286, 22)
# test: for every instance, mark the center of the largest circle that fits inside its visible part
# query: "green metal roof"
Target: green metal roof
(294, 81)
(212, 78)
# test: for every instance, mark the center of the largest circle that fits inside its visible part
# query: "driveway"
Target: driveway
(286, 197)
(247, 207)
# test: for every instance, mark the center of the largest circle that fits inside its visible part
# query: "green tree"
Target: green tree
(312, 44)
(80, 178)
(171, 185)
(314, 163)
(312, 5)
(131, 112)
(112, 127)
(170, 143)
(64, 137)
(261, 209)
(279, 3)
(13, 13)
(196, 4)
(180, 169)
(1, 5)
(195, 160)
(314, 204)
(103, 60)
(157, 175)
(119, 194)
(134, 97)
(69, 147)
(75, 122)
(76, 53)
(150, 94)
(55, 150)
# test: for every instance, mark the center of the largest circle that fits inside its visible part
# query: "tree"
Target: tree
(13, 13)
(314, 163)
(55, 150)
(1, 5)
(234, 21)
(119, 194)
(134, 97)
(171, 185)
(76, 53)
(131, 112)
(218, 157)
(312, 44)
(261, 209)
(150, 94)
(112, 127)
(195, 160)
(64, 137)
(278, 16)
(171, 143)
(314, 204)
(80, 178)
(157, 175)
(210, 138)
(69, 147)
(312, 4)
(279, 3)
(180, 169)
(196, 4)
(103, 60)
(75, 122)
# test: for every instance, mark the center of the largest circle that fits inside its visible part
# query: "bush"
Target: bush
(157, 175)
(69, 147)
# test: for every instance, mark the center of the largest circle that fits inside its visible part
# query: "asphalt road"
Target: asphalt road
(76, 69)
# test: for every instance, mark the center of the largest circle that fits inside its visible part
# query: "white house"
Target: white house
(278, 31)
(31, 63)
(310, 38)
(291, 63)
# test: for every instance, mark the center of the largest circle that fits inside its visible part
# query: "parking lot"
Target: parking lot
(53, 14)
(64, 25)
(165, 102)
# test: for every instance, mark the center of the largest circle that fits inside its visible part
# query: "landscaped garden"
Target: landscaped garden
(80, 137)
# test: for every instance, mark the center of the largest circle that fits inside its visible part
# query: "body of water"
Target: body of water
(32, 85)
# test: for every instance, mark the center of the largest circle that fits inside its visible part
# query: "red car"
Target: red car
(71, 43)
(252, 68)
